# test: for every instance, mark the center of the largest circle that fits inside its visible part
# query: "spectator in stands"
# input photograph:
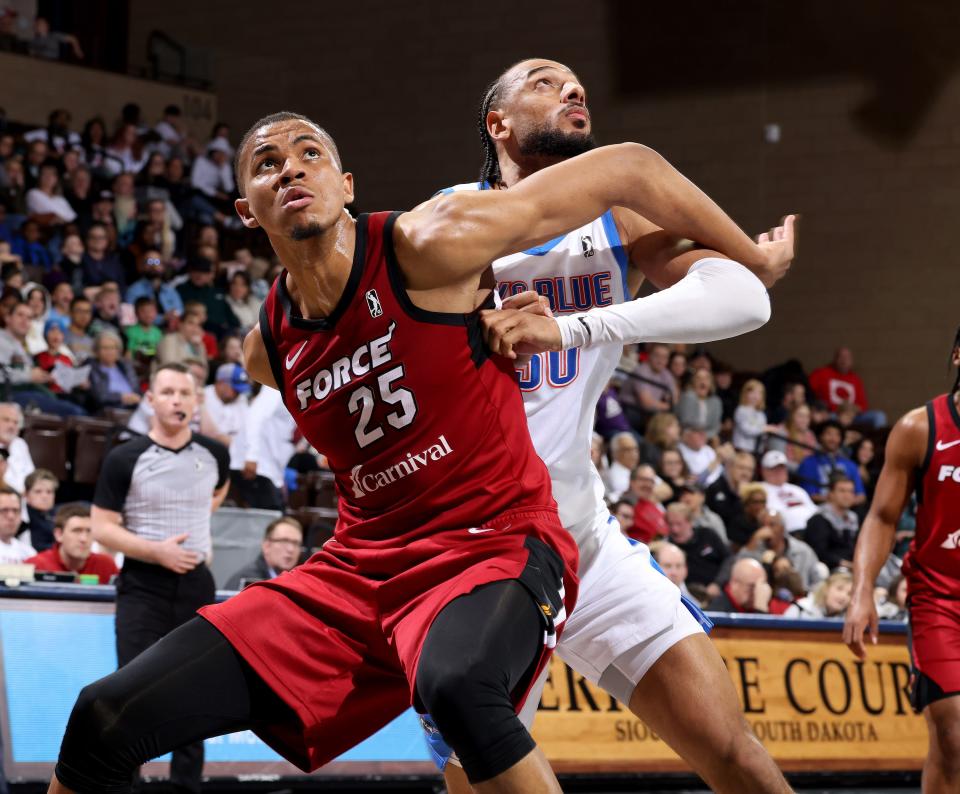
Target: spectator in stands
(648, 520)
(742, 529)
(832, 530)
(701, 515)
(60, 140)
(622, 510)
(677, 366)
(57, 352)
(279, 552)
(729, 399)
(894, 604)
(113, 383)
(245, 306)
(28, 381)
(106, 310)
(212, 179)
(46, 203)
(700, 457)
(40, 496)
(837, 383)
(864, 456)
(38, 154)
(144, 336)
(723, 494)
(47, 43)
(184, 343)
(261, 451)
(674, 472)
(748, 590)
(61, 296)
(783, 497)
(673, 562)
(647, 395)
(794, 437)
(817, 469)
(699, 406)
(200, 288)
(12, 549)
(14, 194)
(73, 547)
(99, 264)
(610, 419)
(226, 400)
(79, 194)
(829, 600)
(67, 268)
(93, 142)
(38, 301)
(126, 153)
(151, 284)
(625, 452)
(750, 418)
(125, 208)
(705, 550)
(794, 395)
(28, 246)
(173, 139)
(772, 537)
(77, 335)
(662, 433)
(19, 463)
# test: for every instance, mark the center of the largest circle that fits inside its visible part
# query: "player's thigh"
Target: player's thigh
(624, 603)
(670, 699)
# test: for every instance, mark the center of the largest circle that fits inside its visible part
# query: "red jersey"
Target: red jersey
(932, 564)
(425, 432)
(100, 564)
(835, 388)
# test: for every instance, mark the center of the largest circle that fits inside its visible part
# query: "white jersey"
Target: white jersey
(582, 269)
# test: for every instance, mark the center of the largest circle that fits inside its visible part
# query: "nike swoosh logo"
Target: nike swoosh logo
(292, 361)
(480, 530)
(941, 446)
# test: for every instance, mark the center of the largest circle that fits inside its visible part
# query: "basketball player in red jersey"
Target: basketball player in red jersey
(449, 575)
(923, 455)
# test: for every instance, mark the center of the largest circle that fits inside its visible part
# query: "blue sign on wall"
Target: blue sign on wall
(49, 656)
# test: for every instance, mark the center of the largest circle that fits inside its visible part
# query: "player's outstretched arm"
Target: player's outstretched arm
(906, 448)
(457, 235)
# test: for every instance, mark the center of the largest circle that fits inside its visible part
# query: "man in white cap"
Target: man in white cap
(790, 501)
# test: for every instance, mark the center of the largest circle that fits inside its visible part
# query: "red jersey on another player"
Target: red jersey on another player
(932, 565)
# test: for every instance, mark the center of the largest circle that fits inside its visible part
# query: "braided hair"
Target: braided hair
(490, 172)
(956, 344)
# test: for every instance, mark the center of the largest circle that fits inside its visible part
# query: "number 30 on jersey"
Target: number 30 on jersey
(558, 368)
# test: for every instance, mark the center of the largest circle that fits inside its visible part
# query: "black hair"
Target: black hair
(956, 344)
(143, 300)
(171, 110)
(490, 170)
(274, 118)
(80, 299)
(839, 477)
(827, 424)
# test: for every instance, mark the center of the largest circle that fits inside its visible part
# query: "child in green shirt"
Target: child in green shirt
(144, 337)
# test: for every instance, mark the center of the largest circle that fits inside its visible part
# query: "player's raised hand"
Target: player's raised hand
(861, 622)
(171, 555)
(519, 332)
(780, 247)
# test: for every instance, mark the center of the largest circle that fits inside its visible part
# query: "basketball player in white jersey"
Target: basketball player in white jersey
(629, 633)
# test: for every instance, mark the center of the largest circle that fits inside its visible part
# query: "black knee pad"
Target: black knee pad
(471, 706)
(97, 754)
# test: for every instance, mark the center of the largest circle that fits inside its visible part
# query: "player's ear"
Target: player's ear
(498, 127)
(347, 188)
(243, 210)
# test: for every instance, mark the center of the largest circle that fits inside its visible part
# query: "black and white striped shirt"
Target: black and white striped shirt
(164, 492)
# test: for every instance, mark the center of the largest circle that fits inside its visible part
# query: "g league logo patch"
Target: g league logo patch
(373, 303)
(586, 243)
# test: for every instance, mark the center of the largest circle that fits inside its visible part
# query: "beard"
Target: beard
(546, 141)
(305, 232)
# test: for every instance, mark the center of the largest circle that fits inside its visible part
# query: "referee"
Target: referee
(153, 502)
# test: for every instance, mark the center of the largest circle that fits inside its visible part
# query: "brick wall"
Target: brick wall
(398, 83)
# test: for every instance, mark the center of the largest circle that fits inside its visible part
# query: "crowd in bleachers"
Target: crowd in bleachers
(750, 489)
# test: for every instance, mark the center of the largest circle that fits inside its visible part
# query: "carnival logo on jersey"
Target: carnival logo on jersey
(368, 483)
(586, 243)
(373, 303)
(952, 541)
